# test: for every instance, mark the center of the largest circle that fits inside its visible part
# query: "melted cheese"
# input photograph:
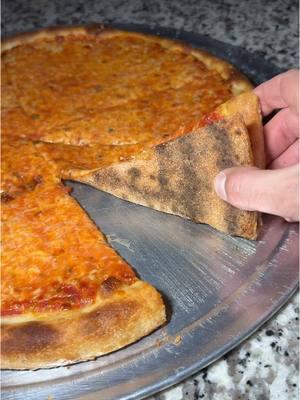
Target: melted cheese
(86, 102)
(112, 91)
(53, 255)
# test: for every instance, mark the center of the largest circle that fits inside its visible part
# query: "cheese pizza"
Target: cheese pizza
(101, 106)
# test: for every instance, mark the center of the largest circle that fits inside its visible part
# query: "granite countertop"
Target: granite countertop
(265, 366)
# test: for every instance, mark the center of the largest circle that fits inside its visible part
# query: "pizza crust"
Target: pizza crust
(59, 339)
(248, 105)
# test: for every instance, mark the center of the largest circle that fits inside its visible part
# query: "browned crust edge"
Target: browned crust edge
(44, 342)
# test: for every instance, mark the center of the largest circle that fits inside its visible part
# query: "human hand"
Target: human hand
(276, 189)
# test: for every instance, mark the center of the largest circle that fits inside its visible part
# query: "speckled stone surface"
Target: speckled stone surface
(270, 26)
(266, 365)
(263, 367)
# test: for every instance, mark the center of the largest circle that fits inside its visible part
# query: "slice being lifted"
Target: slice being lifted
(69, 296)
(177, 177)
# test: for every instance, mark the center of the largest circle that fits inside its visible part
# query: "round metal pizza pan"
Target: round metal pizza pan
(218, 290)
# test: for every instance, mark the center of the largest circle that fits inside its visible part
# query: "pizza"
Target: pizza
(160, 177)
(139, 116)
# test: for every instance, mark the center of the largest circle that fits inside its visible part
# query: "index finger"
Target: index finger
(279, 92)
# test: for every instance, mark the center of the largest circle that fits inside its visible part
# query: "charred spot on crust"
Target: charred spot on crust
(163, 180)
(110, 284)
(105, 319)
(134, 172)
(6, 197)
(31, 337)
(162, 149)
(152, 177)
(38, 179)
(112, 311)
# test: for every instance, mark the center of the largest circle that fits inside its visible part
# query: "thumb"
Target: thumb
(270, 191)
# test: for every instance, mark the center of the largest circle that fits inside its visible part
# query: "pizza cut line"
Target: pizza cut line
(147, 119)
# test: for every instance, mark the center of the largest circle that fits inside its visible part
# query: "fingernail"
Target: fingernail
(219, 183)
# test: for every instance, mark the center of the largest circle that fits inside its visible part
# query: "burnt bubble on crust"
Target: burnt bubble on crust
(6, 197)
(110, 284)
(31, 337)
(134, 173)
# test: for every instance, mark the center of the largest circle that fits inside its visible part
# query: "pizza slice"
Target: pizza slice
(177, 177)
(66, 294)
(247, 105)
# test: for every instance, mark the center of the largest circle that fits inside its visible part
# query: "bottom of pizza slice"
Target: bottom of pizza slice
(67, 296)
(177, 177)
